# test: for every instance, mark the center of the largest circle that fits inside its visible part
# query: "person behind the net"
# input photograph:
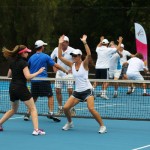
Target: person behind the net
(41, 88)
(83, 88)
(135, 65)
(61, 75)
(125, 55)
(104, 54)
(18, 90)
(115, 68)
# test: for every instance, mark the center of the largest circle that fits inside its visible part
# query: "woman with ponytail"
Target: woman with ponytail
(18, 90)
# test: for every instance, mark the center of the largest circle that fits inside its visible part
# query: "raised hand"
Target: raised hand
(101, 38)
(83, 39)
(61, 39)
(120, 39)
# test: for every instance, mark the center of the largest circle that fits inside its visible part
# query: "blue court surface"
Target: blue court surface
(121, 135)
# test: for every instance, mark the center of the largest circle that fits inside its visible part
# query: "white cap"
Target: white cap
(76, 52)
(105, 41)
(66, 38)
(39, 43)
(122, 45)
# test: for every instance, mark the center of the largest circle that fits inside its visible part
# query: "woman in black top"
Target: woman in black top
(18, 90)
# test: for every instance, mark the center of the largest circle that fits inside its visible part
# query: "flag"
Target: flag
(141, 40)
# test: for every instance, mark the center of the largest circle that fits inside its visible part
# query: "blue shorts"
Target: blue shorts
(82, 96)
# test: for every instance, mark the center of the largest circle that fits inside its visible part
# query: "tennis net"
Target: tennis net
(131, 106)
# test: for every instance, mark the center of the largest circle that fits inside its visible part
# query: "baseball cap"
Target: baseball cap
(76, 52)
(66, 38)
(39, 43)
(105, 41)
(122, 45)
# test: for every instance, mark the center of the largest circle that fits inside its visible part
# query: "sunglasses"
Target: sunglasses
(74, 55)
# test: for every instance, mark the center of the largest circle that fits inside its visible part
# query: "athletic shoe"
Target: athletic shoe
(104, 97)
(115, 95)
(67, 126)
(133, 89)
(102, 129)
(73, 112)
(146, 94)
(98, 95)
(60, 111)
(38, 132)
(51, 116)
(26, 117)
(1, 128)
(129, 92)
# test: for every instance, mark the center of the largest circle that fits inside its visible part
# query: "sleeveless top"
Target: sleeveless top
(82, 82)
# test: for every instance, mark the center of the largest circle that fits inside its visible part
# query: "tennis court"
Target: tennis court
(122, 135)
(130, 132)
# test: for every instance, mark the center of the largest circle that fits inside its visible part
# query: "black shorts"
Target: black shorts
(42, 88)
(19, 92)
(102, 73)
(82, 96)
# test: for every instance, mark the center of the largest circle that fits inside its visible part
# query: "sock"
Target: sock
(60, 107)
(51, 113)
(104, 92)
(115, 92)
(129, 88)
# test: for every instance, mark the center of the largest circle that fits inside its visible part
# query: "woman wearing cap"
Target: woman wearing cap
(83, 91)
(19, 72)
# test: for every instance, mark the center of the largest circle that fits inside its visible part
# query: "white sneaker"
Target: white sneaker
(68, 125)
(38, 132)
(102, 129)
(104, 97)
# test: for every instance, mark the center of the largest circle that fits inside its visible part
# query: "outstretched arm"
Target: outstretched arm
(88, 52)
(29, 76)
(65, 61)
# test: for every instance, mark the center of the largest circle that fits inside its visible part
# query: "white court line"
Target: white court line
(110, 105)
(141, 147)
(15, 118)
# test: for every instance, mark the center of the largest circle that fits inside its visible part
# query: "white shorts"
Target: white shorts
(135, 76)
(114, 74)
(59, 83)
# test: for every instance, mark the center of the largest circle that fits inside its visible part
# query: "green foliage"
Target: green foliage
(25, 21)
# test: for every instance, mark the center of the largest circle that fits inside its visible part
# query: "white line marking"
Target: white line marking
(85, 108)
(15, 118)
(141, 147)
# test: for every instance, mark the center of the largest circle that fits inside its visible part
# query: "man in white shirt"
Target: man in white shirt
(61, 75)
(123, 59)
(115, 68)
(104, 54)
(135, 65)
(123, 75)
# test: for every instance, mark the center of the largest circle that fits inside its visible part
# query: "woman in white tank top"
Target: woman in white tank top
(83, 88)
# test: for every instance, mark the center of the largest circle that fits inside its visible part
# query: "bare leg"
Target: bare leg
(68, 105)
(51, 103)
(59, 96)
(96, 115)
(33, 111)
(10, 113)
